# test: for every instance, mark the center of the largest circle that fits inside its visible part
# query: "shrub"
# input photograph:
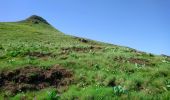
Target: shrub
(119, 90)
(96, 66)
(74, 55)
(52, 95)
(1, 47)
(14, 53)
(168, 84)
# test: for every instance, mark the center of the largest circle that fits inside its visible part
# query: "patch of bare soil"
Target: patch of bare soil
(34, 78)
(80, 49)
(38, 54)
(133, 60)
(119, 59)
(112, 83)
(139, 61)
(82, 39)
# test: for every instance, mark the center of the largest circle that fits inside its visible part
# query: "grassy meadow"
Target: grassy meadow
(100, 71)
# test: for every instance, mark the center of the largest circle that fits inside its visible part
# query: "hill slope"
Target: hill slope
(38, 61)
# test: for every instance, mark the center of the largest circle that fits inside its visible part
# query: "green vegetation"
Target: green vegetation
(101, 71)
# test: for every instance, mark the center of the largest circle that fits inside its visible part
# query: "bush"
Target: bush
(168, 84)
(119, 90)
(14, 53)
(1, 47)
(52, 95)
(74, 55)
(96, 66)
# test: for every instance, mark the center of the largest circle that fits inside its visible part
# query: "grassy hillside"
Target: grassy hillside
(38, 61)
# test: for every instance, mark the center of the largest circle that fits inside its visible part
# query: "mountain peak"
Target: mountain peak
(36, 20)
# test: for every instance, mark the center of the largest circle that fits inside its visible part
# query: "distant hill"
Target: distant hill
(34, 19)
(38, 61)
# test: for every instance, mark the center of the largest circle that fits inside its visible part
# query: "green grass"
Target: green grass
(93, 69)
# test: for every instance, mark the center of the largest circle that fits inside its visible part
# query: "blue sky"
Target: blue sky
(139, 24)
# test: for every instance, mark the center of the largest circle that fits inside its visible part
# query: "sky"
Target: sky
(140, 24)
